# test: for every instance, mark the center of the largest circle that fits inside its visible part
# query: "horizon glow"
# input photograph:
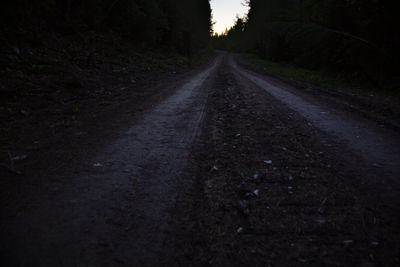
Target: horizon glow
(224, 13)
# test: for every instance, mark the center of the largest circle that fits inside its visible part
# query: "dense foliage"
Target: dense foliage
(359, 38)
(179, 23)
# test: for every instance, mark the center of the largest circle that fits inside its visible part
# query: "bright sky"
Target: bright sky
(225, 11)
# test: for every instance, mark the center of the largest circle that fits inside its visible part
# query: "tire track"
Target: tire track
(378, 148)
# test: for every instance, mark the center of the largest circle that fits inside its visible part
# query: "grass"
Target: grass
(320, 78)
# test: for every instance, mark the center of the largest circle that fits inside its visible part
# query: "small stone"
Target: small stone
(320, 220)
(347, 242)
(374, 243)
(243, 207)
(20, 157)
(214, 169)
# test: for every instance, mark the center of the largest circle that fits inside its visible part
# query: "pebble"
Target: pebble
(374, 243)
(16, 158)
(347, 242)
(242, 205)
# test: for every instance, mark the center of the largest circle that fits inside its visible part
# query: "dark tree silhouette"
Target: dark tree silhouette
(357, 38)
(182, 24)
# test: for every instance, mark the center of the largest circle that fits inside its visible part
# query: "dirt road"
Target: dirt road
(231, 169)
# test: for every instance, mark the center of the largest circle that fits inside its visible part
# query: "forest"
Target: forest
(356, 38)
(184, 25)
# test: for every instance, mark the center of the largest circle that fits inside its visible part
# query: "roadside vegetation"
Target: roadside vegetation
(338, 43)
(316, 77)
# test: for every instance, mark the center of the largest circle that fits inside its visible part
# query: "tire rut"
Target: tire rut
(378, 147)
